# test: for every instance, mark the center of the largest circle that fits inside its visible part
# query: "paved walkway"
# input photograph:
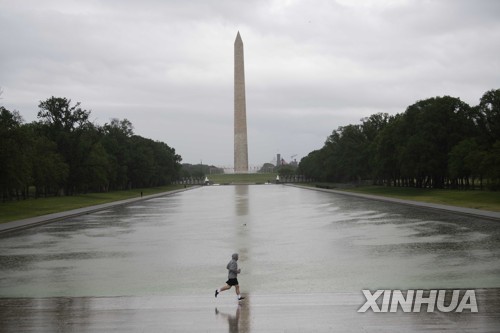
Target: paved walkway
(426, 205)
(334, 312)
(43, 219)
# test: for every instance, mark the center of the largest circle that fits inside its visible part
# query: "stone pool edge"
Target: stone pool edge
(427, 205)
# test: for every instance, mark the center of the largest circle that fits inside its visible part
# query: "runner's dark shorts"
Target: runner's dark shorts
(232, 282)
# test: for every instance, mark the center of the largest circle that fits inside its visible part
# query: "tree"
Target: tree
(196, 171)
(167, 164)
(267, 168)
(117, 143)
(58, 113)
(68, 126)
(489, 109)
(15, 166)
(50, 172)
(436, 142)
(461, 162)
(96, 169)
(347, 151)
(286, 170)
(312, 165)
(432, 128)
(63, 152)
(387, 150)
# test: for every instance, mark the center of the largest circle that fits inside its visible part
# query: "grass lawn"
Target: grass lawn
(487, 200)
(17, 210)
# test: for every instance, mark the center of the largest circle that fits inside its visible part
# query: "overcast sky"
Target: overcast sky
(310, 66)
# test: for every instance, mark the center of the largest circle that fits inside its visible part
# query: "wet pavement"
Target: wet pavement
(331, 312)
(305, 257)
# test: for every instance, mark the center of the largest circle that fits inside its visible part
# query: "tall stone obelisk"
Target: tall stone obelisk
(240, 113)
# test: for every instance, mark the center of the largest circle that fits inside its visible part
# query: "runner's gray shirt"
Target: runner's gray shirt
(232, 266)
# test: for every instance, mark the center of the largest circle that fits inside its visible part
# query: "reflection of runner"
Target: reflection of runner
(232, 267)
(231, 320)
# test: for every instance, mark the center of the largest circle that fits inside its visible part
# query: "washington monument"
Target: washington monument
(240, 113)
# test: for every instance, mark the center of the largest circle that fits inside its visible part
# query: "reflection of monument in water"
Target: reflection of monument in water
(240, 116)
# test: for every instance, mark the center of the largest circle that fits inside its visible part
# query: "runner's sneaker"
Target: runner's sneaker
(216, 293)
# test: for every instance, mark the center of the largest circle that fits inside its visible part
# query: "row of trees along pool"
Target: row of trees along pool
(439, 142)
(65, 153)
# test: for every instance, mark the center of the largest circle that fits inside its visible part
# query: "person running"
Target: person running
(233, 269)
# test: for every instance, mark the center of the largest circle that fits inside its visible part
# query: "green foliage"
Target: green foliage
(50, 171)
(267, 168)
(312, 166)
(198, 171)
(65, 153)
(15, 145)
(61, 116)
(438, 142)
(286, 170)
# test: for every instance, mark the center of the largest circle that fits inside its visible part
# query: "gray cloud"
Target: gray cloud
(310, 66)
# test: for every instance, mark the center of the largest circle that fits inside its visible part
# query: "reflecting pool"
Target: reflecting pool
(290, 240)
